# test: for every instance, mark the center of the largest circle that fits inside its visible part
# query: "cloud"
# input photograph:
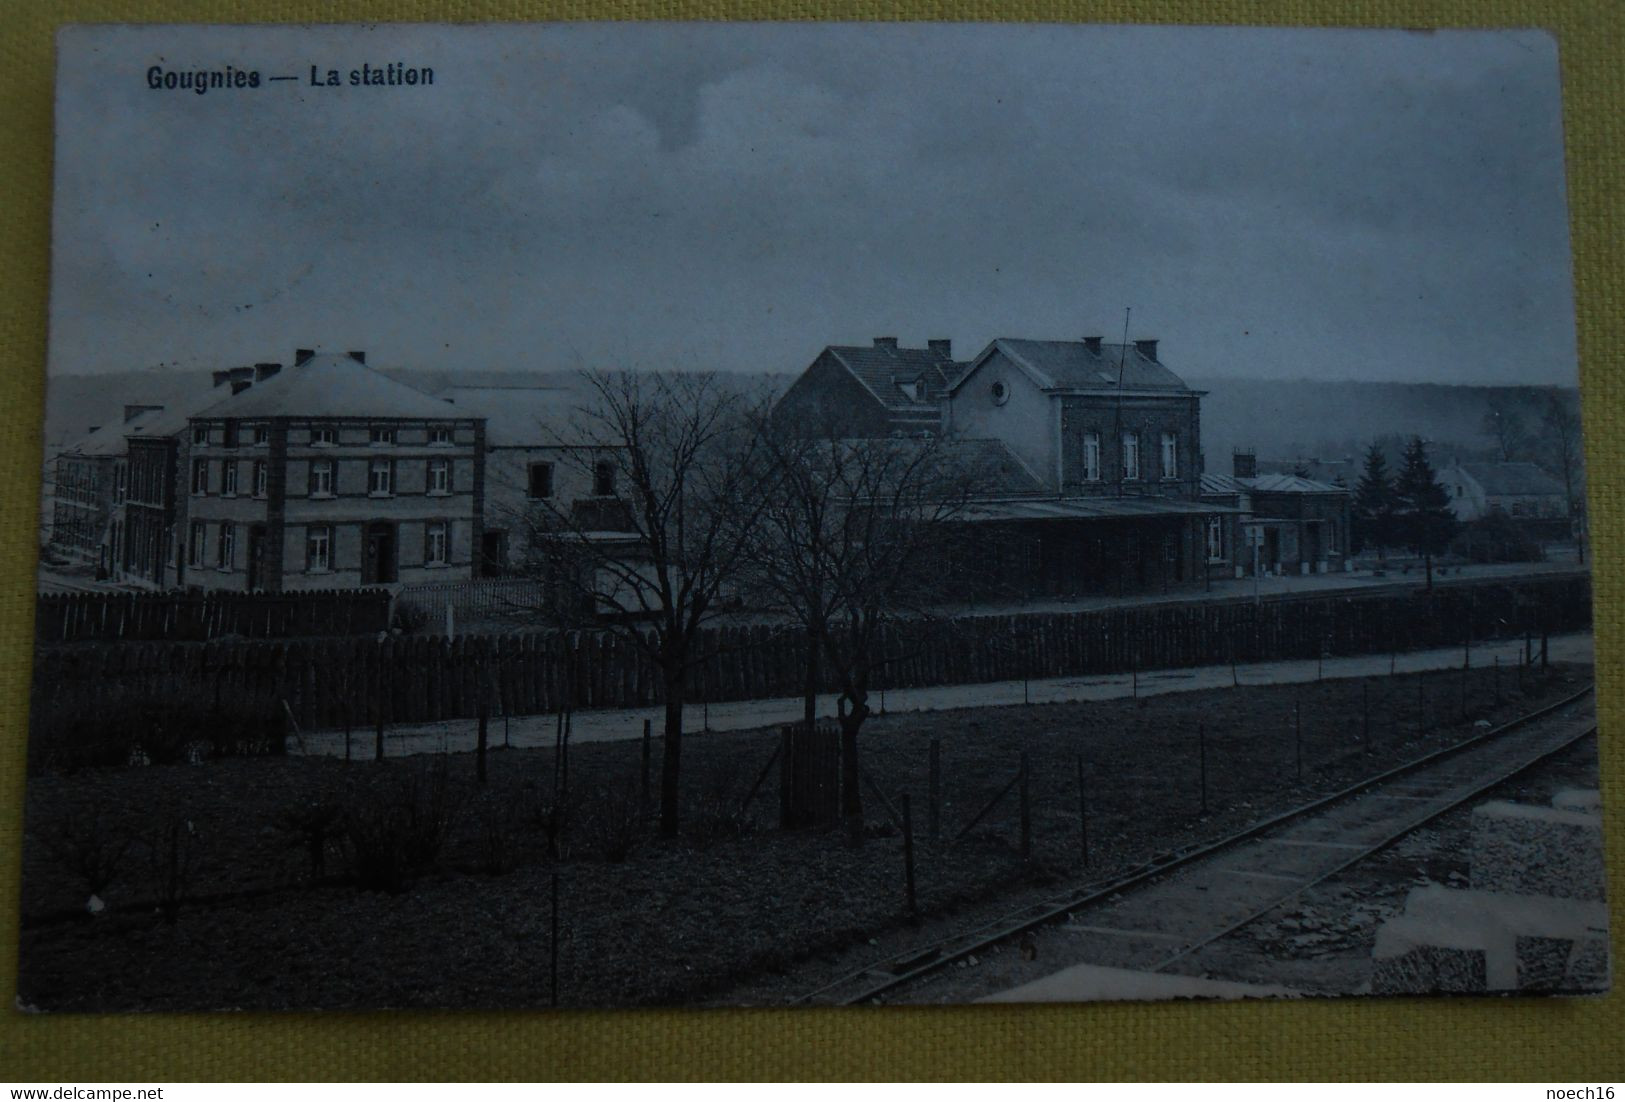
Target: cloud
(1380, 204)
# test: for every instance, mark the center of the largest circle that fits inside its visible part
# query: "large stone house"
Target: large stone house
(539, 472)
(330, 475)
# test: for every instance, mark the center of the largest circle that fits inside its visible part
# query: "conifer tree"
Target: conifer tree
(1374, 504)
(1423, 504)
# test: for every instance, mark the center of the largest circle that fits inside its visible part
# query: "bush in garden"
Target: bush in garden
(314, 827)
(615, 822)
(720, 813)
(158, 724)
(171, 853)
(396, 830)
(83, 844)
(408, 618)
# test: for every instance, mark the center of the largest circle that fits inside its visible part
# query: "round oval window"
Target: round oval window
(1001, 393)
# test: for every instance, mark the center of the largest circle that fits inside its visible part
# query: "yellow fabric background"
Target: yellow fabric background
(1536, 1040)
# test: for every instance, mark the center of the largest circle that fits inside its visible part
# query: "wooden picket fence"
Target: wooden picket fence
(194, 617)
(809, 775)
(331, 682)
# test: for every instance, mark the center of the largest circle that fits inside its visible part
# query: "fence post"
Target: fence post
(1545, 651)
(1421, 703)
(1497, 669)
(1026, 811)
(1365, 713)
(481, 740)
(1297, 733)
(643, 789)
(934, 795)
(1201, 754)
(1083, 814)
(378, 745)
(908, 857)
(553, 943)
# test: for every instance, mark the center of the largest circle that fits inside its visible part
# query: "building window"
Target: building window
(1170, 456)
(262, 477)
(121, 483)
(434, 543)
(200, 436)
(226, 546)
(380, 478)
(260, 435)
(196, 543)
(318, 549)
(1131, 455)
(1215, 539)
(228, 479)
(439, 480)
(603, 479)
(440, 435)
(541, 480)
(200, 476)
(1091, 457)
(381, 435)
(321, 478)
(323, 436)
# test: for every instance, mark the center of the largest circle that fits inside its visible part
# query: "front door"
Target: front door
(378, 554)
(256, 558)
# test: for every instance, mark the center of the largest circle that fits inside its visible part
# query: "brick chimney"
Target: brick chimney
(1147, 348)
(886, 342)
(942, 347)
(302, 356)
(222, 376)
(1093, 345)
(1244, 464)
(358, 357)
(263, 372)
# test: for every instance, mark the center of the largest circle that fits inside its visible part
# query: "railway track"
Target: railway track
(1159, 914)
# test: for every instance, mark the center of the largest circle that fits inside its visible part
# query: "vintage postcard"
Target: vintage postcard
(623, 515)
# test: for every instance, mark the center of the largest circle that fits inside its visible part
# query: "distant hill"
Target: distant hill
(1285, 419)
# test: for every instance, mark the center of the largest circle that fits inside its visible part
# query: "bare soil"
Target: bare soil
(733, 910)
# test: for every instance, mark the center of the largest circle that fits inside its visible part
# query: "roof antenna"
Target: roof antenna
(1117, 426)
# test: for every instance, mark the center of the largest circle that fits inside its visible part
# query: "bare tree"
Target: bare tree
(677, 487)
(1560, 435)
(1504, 424)
(853, 545)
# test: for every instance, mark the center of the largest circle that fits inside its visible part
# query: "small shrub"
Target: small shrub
(553, 815)
(616, 822)
(408, 618)
(314, 827)
(397, 830)
(496, 839)
(719, 813)
(83, 845)
(171, 851)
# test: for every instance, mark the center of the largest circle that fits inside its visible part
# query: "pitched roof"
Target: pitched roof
(998, 472)
(1267, 484)
(1512, 478)
(1087, 508)
(519, 416)
(1074, 365)
(1291, 484)
(884, 368)
(331, 385)
(166, 421)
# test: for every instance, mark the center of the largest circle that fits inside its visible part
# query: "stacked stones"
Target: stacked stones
(1534, 919)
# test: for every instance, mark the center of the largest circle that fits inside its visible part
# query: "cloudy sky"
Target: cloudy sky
(1329, 204)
